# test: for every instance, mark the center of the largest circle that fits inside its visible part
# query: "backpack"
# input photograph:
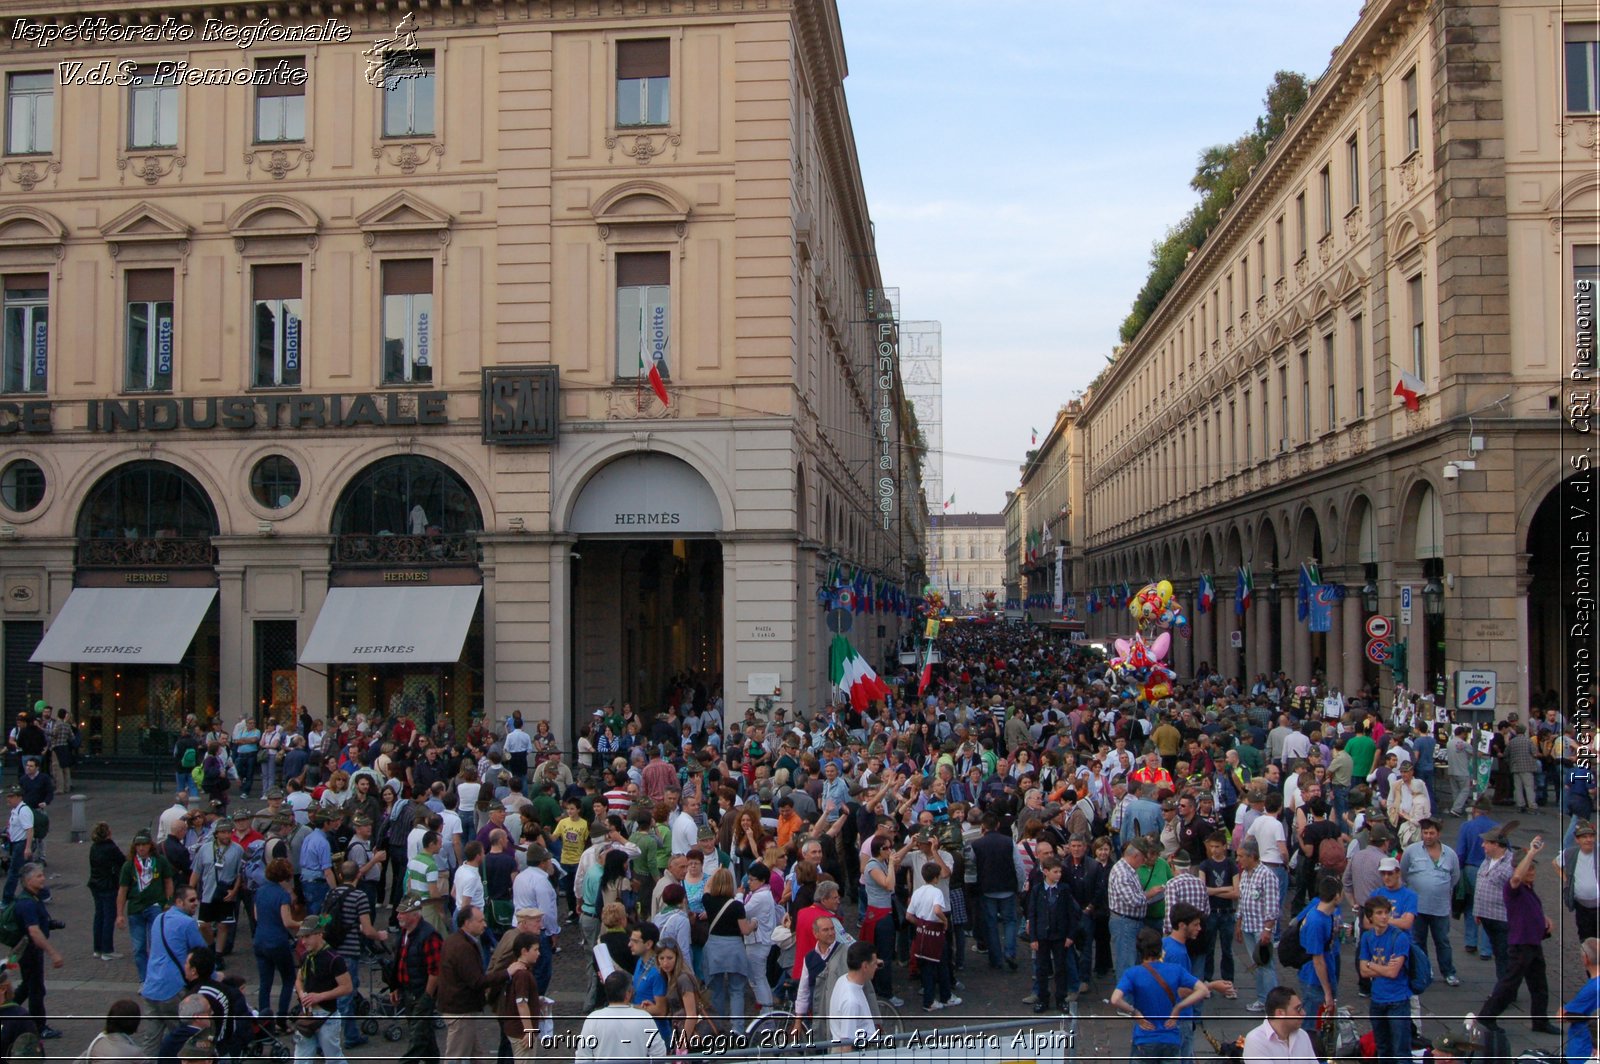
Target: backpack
(1292, 952)
(1418, 971)
(10, 927)
(255, 864)
(190, 758)
(41, 825)
(1332, 856)
(26, 1045)
(337, 929)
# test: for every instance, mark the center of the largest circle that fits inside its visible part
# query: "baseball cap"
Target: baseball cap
(1388, 864)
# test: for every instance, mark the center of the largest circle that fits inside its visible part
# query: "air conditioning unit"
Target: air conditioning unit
(1283, 445)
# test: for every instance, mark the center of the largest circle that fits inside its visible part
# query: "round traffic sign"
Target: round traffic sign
(1378, 626)
(1378, 651)
(840, 621)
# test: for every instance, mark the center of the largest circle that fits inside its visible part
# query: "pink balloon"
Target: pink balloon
(1158, 649)
(1123, 646)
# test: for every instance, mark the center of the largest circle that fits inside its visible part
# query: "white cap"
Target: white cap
(1388, 864)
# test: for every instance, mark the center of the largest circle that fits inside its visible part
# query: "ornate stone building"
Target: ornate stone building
(327, 358)
(1428, 221)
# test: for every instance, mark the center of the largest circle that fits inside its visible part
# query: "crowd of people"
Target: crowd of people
(1232, 842)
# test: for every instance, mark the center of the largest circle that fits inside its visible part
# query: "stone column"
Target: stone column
(1301, 653)
(1205, 639)
(1334, 641)
(1259, 635)
(1288, 642)
(1355, 644)
(1522, 695)
(234, 652)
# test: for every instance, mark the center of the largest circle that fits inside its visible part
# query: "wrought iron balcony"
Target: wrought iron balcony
(155, 552)
(418, 552)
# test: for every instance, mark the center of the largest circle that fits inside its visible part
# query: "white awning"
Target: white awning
(379, 624)
(150, 625)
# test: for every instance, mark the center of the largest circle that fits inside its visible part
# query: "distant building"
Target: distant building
(968, 558)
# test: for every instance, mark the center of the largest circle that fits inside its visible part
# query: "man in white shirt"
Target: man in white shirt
(619, 1032)
(1267, 831)
(1280, 1036)
(467, 887)
(685, 831)
(171, 815)
(850, 1021)
(1296, 746)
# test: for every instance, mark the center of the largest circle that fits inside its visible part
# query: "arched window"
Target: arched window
(147, 500)
(407, 495)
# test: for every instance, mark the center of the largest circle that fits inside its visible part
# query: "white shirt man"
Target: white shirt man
(517, 740)
(1280, 1037)
(620, 1032)
(1267, 830)
(468, 886)
(169, 817)
(685, 832)
(849, 1013)
(1296, 746)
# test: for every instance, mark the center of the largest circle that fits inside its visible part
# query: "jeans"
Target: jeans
(277, 961)
(314, 890)
(328, 1040)
(347, 1004)
(1470, 874)
(1440, 927)
(1282, 872)
(139, 930)
(727, 997)
(1001, 916)
(1427, 781)
(1391, 1028)
(1311, 995)
(246, 764)
(1124, 942)
(269, 775)
(185, 782)
(14, 874)
(1266, 975)
(105, 920)
(1220, 925)
(935, 981)
(1341, 800)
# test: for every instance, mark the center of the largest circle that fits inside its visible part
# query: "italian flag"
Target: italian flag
(851, 674)
(653, 348)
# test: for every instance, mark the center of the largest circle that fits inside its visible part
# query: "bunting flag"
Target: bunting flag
(850, 673)
(1208, 594)
(1244, 591)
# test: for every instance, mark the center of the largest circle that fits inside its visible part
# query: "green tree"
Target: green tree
(1221, 170)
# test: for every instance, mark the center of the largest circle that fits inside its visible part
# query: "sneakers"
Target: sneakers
(1452, 980)
(1041, 1007)
(1256, 1006)
(1011, 962)
(897, 1002)
(1362, 993)
(1231, 995)
(953, 1002)
(1031, 999)
(49, 1032)
(935, 1007)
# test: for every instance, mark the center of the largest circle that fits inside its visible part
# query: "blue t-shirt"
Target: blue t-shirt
(1316, 935)
(172, 935)
(1381, 949)
(1404, 899)
(1175, 952)
(649, 984)
(1146, 995)
(1580, 1036)
(270, 932)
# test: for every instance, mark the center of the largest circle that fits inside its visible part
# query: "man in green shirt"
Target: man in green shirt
(1362, 750)
(1251, 758)
(144, 890)
(546, 809)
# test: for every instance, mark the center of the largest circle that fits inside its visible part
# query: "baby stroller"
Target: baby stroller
(377, 1012)
(264, 1044)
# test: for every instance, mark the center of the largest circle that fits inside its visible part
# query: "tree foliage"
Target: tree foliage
(1221, 170)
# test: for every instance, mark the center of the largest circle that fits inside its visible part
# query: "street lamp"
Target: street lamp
(1433, 598)
(1369, 596)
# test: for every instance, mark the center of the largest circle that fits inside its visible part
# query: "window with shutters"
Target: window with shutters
(644, 313)
(151, 339)
(408, 321)
(643, 82)
(280, 104)
(279, 333)
(26, 355)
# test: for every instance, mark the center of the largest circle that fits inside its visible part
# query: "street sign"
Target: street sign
(1377, 626)
(1405, 607)
(840, 621)
(1476, 689)
(1378, 651)
(1236, 638)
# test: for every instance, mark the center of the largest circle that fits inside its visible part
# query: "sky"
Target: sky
(1020, 158)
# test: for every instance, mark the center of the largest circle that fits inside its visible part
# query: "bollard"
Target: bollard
(80, 818)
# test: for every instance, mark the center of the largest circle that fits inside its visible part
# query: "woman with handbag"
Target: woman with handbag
(929, 946)
(323, 978)
(877, 916)
(688, 1006)
(727, 966)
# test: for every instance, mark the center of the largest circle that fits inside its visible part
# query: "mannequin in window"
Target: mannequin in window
(417, 522)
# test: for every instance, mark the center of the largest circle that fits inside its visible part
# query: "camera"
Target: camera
(58, 925)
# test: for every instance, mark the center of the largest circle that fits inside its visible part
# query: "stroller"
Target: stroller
(377, 1012)
(264, 1044)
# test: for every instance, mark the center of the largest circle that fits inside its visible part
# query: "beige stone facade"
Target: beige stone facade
(539, 187)
(1051, 541)
(1430, 211)
(967, 558)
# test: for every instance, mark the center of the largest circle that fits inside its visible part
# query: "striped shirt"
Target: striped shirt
(1185, 888)
(1489, 897)
(1258, 899)
(1123, 893)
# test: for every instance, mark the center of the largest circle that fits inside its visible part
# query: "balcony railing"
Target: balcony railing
(155, 552)
(391, 552)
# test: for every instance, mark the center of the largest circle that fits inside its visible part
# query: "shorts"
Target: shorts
(219, 912)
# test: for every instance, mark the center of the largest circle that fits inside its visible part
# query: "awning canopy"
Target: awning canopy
(380, 624)
(150, 625)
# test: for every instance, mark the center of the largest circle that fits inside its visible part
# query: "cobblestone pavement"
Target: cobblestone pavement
(80, 992)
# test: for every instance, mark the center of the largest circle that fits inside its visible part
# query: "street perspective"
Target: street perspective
(601, 531)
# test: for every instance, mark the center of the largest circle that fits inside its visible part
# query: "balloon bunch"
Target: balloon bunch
(1153, 606)
(1139, 667)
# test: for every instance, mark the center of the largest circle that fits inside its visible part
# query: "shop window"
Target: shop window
(150, 331)
(408, 321)
(407, 495)
(277, 674)
(152, 111)
(30, 113)
(25, 359)
(21, 486)
(147, 500)
(275, 482)
(644, 312)
(408, 96)
(278, 332)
